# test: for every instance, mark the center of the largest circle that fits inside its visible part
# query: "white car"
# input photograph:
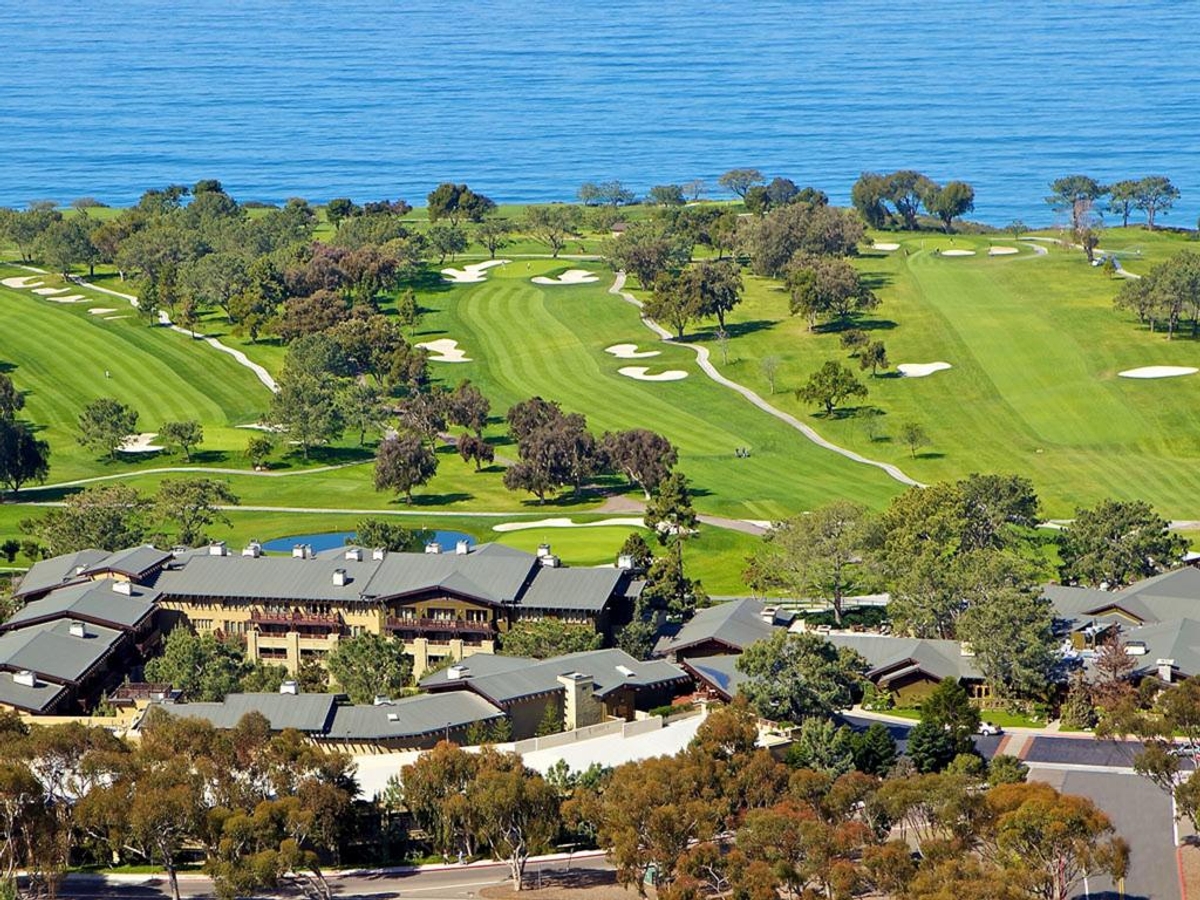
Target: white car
(990, 729)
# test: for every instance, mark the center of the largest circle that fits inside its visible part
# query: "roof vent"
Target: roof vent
(78, 629)
(26, 678)
(381, 700)
(550, 561)
(462, 548)
(354, 554)
(218, 548)
(253, 550)
(392, 717)
(379, 553)
(1136, 648)
(340, 578)
(625, 561)
(456, 673)
(626, 671)
(123, 587)
(79, 570)
(543, 550)
(302, 551)
(433, 547)
(289, 687)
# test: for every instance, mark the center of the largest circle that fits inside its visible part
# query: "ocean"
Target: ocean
(527, 100)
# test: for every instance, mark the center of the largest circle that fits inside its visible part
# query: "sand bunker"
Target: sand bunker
(101, 311)
(114, 318)
(641, 373)
(571, 276)
(444, 350)
(1002, 251)
(20, 283)
(958, 253)
(262, 426)
(49, 292)
(70, 298)
(472, 274)
(888, 248)
(921, 370)
(1158, 372)
(624, 521)
(630, 351)
(140, 443)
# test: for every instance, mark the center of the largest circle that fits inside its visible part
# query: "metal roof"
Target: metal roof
(1178, 641)
(132, 561)
(311, 713)
(587, 590)
(35, 699)
(50, 650)
(940, 658)
(490, 573)
(719, 671)
(57, 570)
(411, 717)
(94, 601)
(266, 578)
(737, 624)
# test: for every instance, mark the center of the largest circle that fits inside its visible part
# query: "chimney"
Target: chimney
(217, 548)
(78, 629)
(457, 673)
(550, 561)
(26, 678)
(625, 561)
(298, 551)
(543, 550)
(123, 587)
(253, 550)
(339, 578)
(462, 548)
(381, 700)
(289, 687)
(378, 553)
(1166, 669)
(354, 554)
(580, 706)
(433, 547)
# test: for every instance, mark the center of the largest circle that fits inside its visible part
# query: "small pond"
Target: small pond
(331, 540)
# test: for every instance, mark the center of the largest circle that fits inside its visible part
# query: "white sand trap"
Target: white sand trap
(49, 292)
(261, 426)
(921, 370)
(101, 310)
(140, 443)
(444, 350)
(1158, 372)
(624, 522)
(888, 248)
(22, 283)
(630, 351)
(958, 253)
(472, 274)
(571, 276)
(114, 318)
(70, 298)
(641, 373)
(1002, 251)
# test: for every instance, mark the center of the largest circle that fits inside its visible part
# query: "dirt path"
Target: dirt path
(706, 366)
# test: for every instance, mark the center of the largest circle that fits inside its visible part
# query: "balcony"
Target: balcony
(456, 627)
(306, 623)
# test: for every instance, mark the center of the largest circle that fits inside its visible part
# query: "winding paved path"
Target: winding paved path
(702, 359)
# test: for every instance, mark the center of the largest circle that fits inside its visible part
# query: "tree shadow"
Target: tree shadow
(859, 323)
(446, 499)
(427, 279)
(929, 454)
(6, 367)
(876, 280)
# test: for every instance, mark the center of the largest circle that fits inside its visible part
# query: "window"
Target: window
(442, 615)
(356, 630)
(477, 615)
(234, 627)
(406, 612)
(203, 624)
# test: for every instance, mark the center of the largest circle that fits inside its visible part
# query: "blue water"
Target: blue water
(331, 540)
(525, 100)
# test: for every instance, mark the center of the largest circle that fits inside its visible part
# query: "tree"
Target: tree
(822, 746)
(340, 208)
(1075, 194)
(408, 311)
(792, 676)
(1121, 198)
(774, 240)
(12, 401)
(100, 518)
(930, 748)
(361, 407)
(258, 448)
(369, 665)
(827, 287)
(643, 456)
(949, 709)
(873, 357)
(1153, 195)
(770, 370)
(739, 181)
(403, 463)
(475, 448)
(105, 424)
(184, 435)
(468, 407)
(305, 408)
(914, 437)
(874, 750)
(494, 233)
(1017, 228)
(192, 504)
(907, 190)
(670, 513)
(648, 251)
(544, 638)
(830, 386)
(515, 811)
(816, 556)
(552, 225)
(950, 202)
(611, 193)
(456, 202)
(1168, 292)
(202, 666)
(447, 240)
(23, 456)
(215, 279)
(387, 535)
(669, 588)
(717, 287)
(674, 303)
(666, 195)
(1116, 543)
(854, 339)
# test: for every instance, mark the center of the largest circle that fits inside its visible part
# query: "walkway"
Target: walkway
(242, 360)
(706, 366)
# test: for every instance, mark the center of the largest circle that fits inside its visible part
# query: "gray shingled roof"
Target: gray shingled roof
(310, 713)
(942, 659)
(411, 717)
(518, 677)
(57, 570)
(35, 699)
(132, 561)
(52, 651)
(588, 590)
(737, 624)
(719, 671)
(1178, 640)
(266, 578)
(1161, 598)
(489, 573)
(94, 601)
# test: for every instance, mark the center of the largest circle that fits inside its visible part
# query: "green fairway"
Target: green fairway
(1035, 347)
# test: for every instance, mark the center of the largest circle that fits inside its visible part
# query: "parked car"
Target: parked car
(989, 729)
